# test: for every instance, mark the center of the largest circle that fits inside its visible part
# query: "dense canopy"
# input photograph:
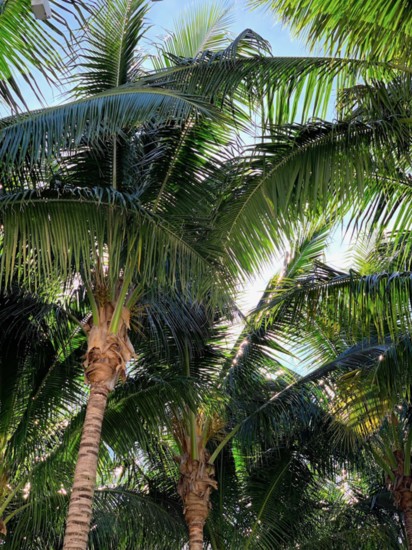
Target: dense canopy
(142, 405)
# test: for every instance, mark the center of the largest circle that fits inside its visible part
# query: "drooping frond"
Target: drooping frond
(299, 169)
(260, 346)
(379, 29)
(46, 133)
(106, 55)
(29, 47)
(54, 234)
(363, 305)
(200, 28)
(150, 522)
(288, 87)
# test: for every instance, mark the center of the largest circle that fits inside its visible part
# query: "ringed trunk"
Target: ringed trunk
(3, 530)
(407, 516)
(106, 358)
(3, 497)
(195, 486)
(401, 489)
(80, 507)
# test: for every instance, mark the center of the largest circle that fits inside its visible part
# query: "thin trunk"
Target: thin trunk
(106, 358)
(80, 507)
(401, 489)
(196, 535)
(407, 515)
(195, 485)
(3, 530)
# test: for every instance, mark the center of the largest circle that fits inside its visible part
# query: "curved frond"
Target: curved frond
(200, 28)
(106, 55)
(300, 169)
(46, 133)
(53, 234)
(287, 88)
(378, 29)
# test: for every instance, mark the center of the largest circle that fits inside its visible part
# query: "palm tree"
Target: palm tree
(268, 490)
(29, 48)
(197, 437)
(151, 147)
(257, 445)
(115, 264)
(40, 387)
(42, 409)
(358, 325)
(361, 29)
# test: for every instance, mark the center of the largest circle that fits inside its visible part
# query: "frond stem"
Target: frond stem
(15, 512)
(224, 442)
(12, 494)
(93, 304)
(172, 164)
(262, 508)
(117, 314)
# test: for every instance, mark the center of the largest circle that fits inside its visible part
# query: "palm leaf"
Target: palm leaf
(200, 28)
(71, 232)
(29, 47)
(372, 29)
(45, 133)
(106, 56)
(318, 165)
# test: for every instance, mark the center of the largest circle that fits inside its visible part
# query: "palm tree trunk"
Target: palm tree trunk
(401, 488)
(3, 530)
(407, 516)
(107, 354)
(80, 507)
(195, 485)
(196, 512)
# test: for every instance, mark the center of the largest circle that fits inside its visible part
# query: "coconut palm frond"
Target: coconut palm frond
(74, 231)
(107, 55)
(202, 27)
(305, 167)
(155, 522)
(29, 47)
(373, 29)
(44, 134)
(285, 88)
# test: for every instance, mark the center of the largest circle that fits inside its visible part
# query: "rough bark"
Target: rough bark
(106, 358)
(3, 530)
(195, 486)
(80, 507)
(401, 489)
(3, 495)
(408, 526)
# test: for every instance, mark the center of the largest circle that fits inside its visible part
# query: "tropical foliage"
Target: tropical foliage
(129, 215)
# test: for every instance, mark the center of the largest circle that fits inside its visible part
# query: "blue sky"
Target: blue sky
(162, 14)
(161, 17)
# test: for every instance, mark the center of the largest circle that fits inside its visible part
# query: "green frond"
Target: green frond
(55, 235)
(43, 518)
(200, 28)
(106, 56)
(299, 170)
(47, 133)
(26, 46)
(142, 407)
(152, 523)
(378, 29)
(286, 88)
(363, 306)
